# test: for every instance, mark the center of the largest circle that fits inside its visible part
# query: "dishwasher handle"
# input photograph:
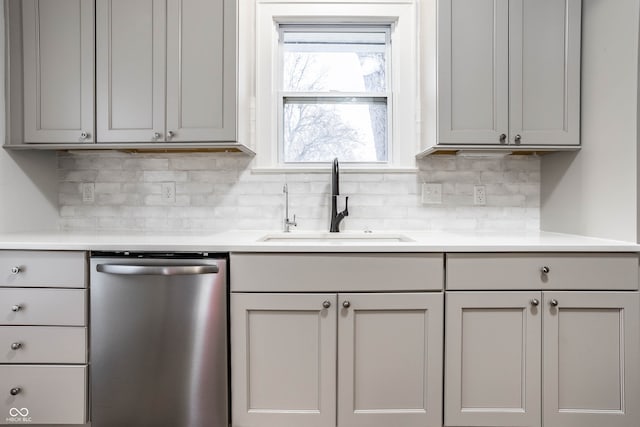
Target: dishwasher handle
(156, 270)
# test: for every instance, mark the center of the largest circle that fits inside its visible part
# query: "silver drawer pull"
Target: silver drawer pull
(535, 302)
(156, 270)
(545, 270)
(553, 302)
(16, 307)
(15, 270)
(326, 304)
(15, 391)
(16, 346)
(346, 304)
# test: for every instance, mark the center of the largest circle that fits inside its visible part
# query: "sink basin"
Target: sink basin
(323, 237)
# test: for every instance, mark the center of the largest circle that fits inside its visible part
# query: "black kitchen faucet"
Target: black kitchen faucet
(337, 217)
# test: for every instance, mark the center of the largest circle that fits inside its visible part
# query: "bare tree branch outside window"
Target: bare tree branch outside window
(320, 128)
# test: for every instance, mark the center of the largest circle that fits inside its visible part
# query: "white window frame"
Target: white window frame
(400, 15)
(387, 95)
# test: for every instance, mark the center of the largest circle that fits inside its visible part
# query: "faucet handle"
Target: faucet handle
(346, 206)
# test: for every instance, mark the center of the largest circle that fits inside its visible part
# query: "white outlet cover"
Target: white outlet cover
(431, 194)
(168, 192)
(479, 195)
(88, 192)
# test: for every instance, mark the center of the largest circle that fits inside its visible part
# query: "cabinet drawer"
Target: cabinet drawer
(333, 272)
(47, 394)
(43, 344)
(53, 307)
(43, 269)
(509, 271)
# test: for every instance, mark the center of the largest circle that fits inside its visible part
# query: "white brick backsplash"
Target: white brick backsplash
(115, 175)
(81, 175)
(219, 191)
(145, 164)
(194, 188)
(192, 163)
(214, 176)
(164, 176)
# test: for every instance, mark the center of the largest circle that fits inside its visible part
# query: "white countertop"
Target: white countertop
(248, 241)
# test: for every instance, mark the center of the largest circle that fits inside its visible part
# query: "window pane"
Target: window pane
(318, 130)
(334, 61)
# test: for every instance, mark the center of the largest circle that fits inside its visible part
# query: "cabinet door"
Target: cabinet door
(544, 60)
(591, 359)
(492, 359)
(43, 394)
(390, 360)
(201, 70)
(58, 40)
(473, 80)
(283, 348)
(130, 74)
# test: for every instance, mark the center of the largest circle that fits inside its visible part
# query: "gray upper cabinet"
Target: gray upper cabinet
(130, 70)
(122, 74)
(166, 70)
(58, 58)
(509, 72)
(201, 71)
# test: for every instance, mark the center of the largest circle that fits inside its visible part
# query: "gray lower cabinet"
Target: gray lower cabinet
(43, 337)
(43, 394)
(578, 350)
(591, 359)
(363, 359)
(493, 359)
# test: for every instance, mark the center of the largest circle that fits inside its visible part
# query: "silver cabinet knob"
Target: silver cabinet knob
(171, 134)
(545, 270)
(15, 270)
(553, 302)
(346, 304)
(503, 138)
(517, 139)
(16, 346)
(535, 302)
(84, 135)
(156, 135)
(15, 391)
(326, 304)
(16, 307)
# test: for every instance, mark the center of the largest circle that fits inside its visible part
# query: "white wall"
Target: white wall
(28, 187)
(594, 192)
(28, 181)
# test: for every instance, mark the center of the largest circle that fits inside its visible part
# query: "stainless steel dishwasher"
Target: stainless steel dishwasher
(158, 340)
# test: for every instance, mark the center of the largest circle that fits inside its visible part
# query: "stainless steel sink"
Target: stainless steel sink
(324, 237)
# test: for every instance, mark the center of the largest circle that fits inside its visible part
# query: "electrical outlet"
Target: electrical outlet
(431, 193)
(168, 192)
(479, 195)
(88, 192)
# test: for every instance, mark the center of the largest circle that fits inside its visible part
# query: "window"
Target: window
(335, 79)
(334, 100)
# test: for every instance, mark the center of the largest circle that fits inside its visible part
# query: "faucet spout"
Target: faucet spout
(336, 217)
(287, 222)
(335, 178)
